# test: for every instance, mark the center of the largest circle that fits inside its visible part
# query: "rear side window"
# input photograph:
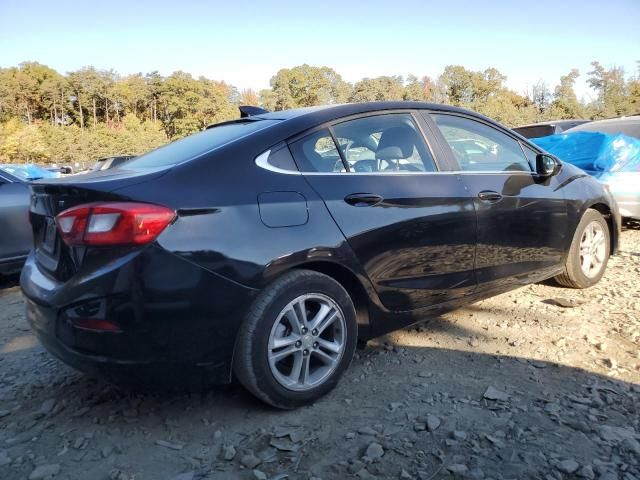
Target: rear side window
(195, 145)
(317, 152)
(479, 147)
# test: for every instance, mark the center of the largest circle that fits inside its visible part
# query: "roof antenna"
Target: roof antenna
(249, 111)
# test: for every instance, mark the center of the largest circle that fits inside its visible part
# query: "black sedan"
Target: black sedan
(265, 248)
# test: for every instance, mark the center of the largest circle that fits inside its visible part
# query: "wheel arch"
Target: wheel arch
(353, 285)
(608, 215)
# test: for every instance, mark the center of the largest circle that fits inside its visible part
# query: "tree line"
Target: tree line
(48, 117)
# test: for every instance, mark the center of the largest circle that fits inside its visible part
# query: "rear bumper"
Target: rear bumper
(9, 266)
(176, 322)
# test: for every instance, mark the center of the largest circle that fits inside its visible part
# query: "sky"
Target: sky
(245, 43)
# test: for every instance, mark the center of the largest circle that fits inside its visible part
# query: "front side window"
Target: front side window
(377, 144)
(479, 147)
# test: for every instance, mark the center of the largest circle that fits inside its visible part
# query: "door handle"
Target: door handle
(489, 196)
(363, 199)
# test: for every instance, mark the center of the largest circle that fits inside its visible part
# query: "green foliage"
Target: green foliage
(565, 104)
(89, 113)
(419, 90)
(611, 89)
(306, 86)
(378, 89)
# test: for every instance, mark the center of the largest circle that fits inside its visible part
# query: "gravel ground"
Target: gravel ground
(542, 382)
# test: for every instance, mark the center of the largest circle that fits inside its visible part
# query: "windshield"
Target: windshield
(195, 145)
(29, 172)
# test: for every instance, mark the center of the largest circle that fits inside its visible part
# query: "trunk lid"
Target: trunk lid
(49, 198)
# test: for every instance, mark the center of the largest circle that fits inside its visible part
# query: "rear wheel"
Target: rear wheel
(589, 252)
(297, 339)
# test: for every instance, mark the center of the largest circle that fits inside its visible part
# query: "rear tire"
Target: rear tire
(589, 252)
(297, 339)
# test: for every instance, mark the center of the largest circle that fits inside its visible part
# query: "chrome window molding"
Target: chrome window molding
(262, 161)
(448, 172)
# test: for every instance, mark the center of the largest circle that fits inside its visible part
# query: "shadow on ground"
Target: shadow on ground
(427, 408)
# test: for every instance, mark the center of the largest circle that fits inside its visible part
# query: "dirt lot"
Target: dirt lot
(542, 382)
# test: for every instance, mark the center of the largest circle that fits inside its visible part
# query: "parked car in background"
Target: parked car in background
(110, 162)
(15, 236)
(543, 129)
(28, 171)
(626, 125)
(609, 150)
(267, 246)
(63, 170)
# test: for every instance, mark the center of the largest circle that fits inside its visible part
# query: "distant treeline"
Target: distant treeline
(48, 117)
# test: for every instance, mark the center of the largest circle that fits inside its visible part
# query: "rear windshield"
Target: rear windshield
(197, 144)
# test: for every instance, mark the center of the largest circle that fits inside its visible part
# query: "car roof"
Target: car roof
(288, 125)
(626, 125)
(300, 119)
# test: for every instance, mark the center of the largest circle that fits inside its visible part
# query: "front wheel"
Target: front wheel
(589, 252)
(297, 339)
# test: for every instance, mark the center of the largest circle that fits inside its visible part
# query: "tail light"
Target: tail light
(113, 223)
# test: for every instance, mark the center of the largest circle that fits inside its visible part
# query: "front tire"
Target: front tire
(297, 339)
(589, 252)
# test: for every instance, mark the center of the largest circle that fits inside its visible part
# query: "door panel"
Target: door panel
(522, 218)
(416, 244)
(413, 231)
(15, 240)
(521, 235)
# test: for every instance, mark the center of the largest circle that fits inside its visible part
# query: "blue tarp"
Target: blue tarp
(595, 153)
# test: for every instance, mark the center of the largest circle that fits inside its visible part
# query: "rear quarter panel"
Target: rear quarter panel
(220, 228)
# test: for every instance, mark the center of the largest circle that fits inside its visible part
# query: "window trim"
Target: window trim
(415, 117)
(343, 159)
(490, 125)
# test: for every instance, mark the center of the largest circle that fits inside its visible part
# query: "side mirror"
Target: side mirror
(546, 165)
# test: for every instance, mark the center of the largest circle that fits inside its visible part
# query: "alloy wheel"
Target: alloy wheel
(306, 342)
(592, 249)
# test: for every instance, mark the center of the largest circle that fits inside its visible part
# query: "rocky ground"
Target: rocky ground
(543, 382)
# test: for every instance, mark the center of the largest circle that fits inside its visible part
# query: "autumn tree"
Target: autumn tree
(305, 86)
(610, 88)
(540, 97)
(249, 97)
(378, 89)
(420, 90)
(565, 104)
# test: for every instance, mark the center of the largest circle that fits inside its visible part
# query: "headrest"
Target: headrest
(396, 143)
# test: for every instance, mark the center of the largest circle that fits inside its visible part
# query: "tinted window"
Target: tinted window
(479, 147)
(317, 152)
(384, 143)
(381, 143)
(281, 158)
(197, 144)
